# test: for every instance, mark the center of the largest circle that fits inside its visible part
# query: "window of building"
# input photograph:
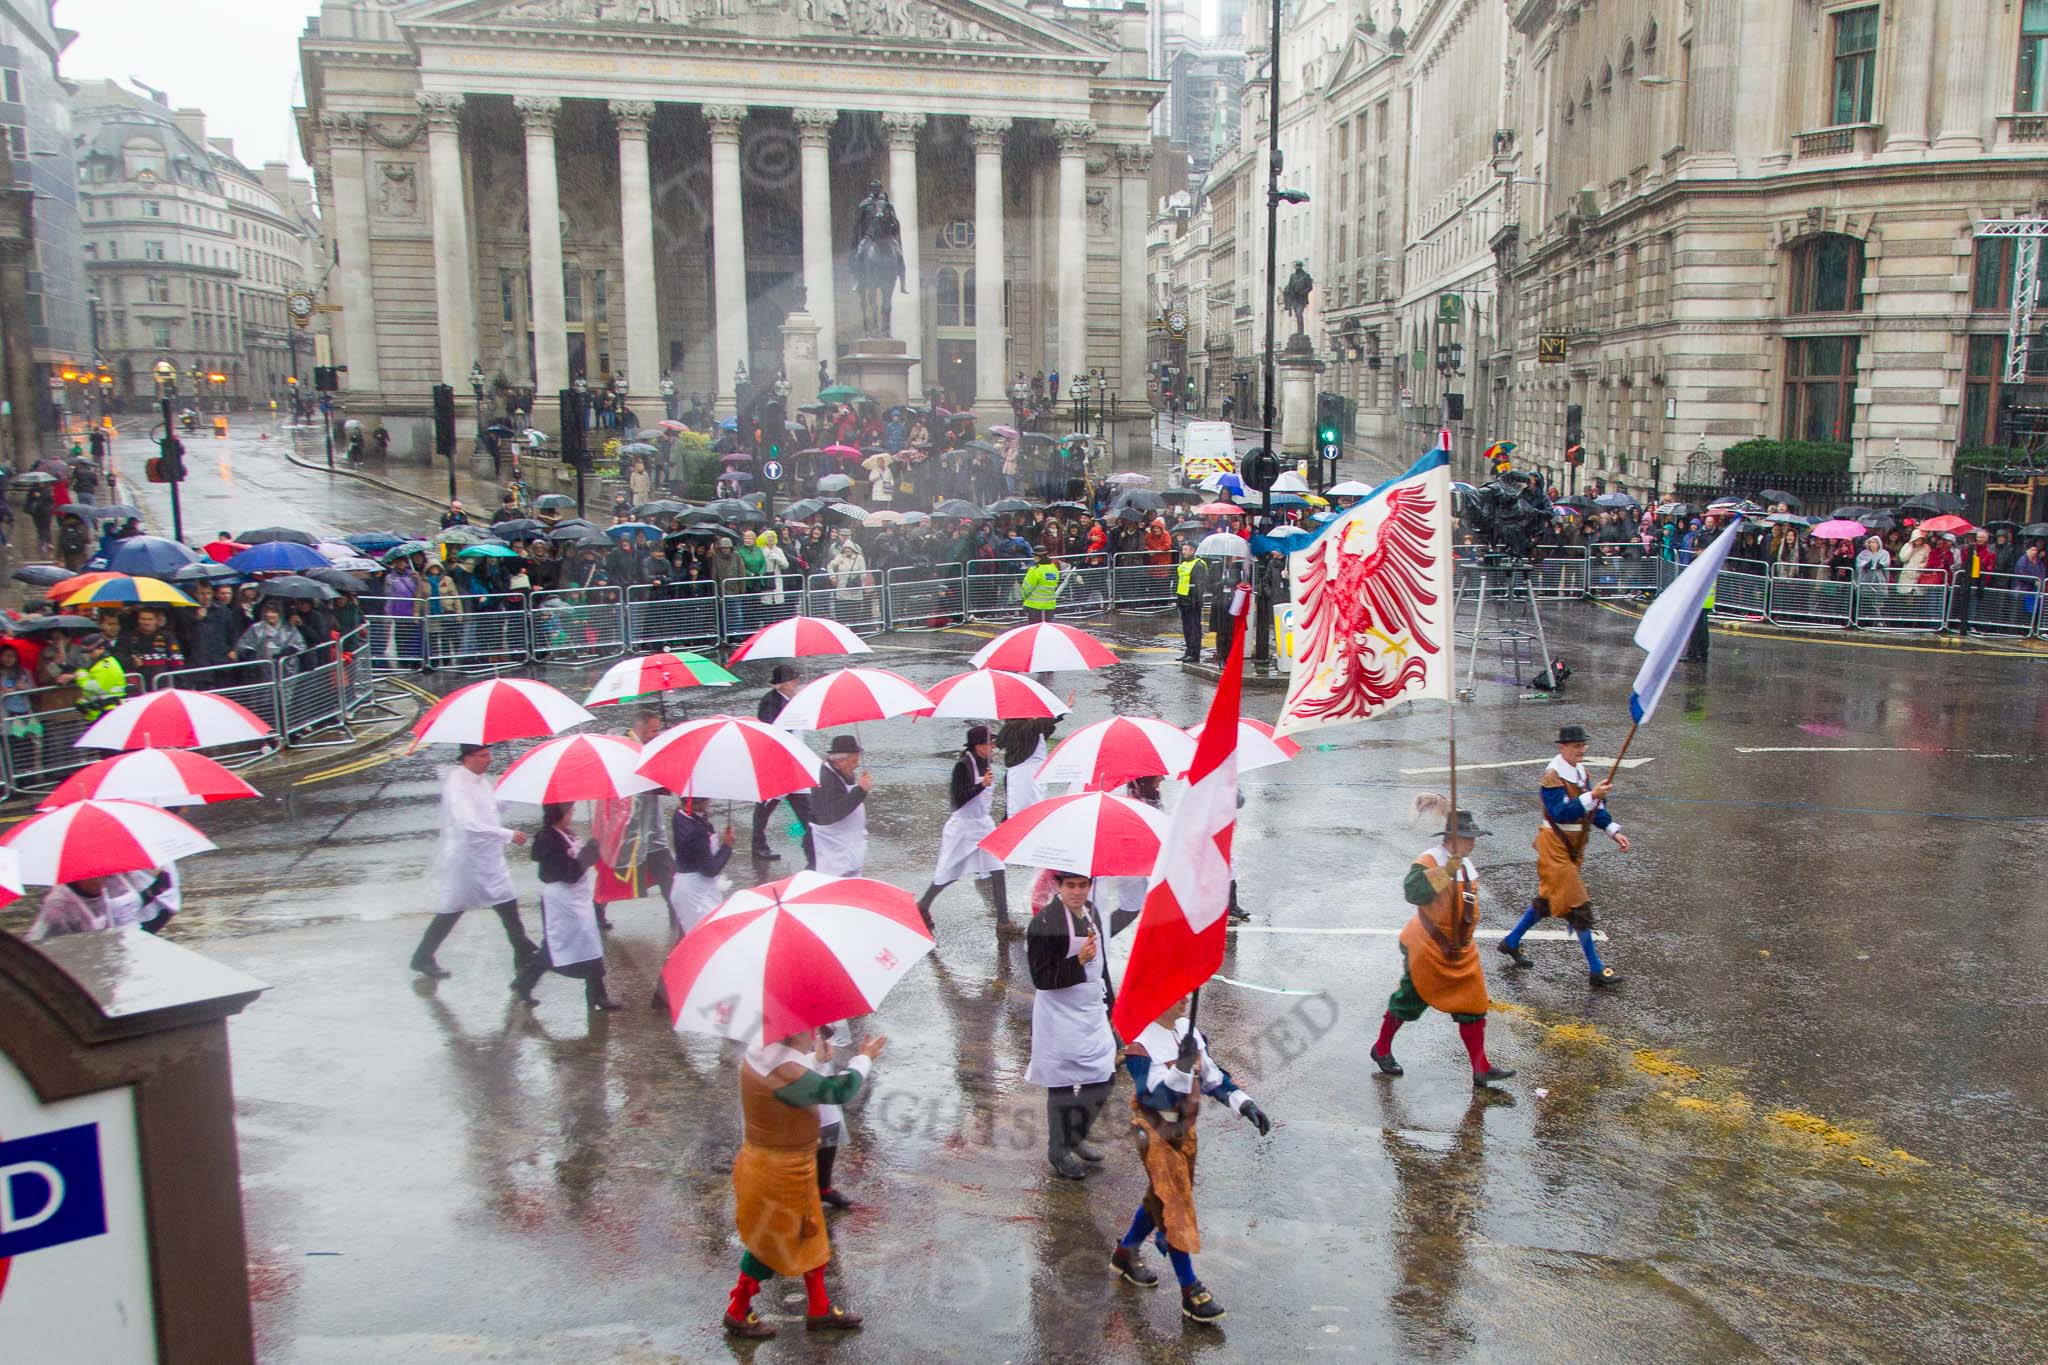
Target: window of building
(1628, 56)
(1820, 388)
(949, 297)
(1606, 78)
(142, 158)
(1992, 271)
(17, 141)
(113, 250)
(160, 335)
(1984, 387)
(159, 289)
(1827, 275)
(1855, 73)
(967, 297)
(2032, 94)
(572, 293)
(10, 85)
(600, 303)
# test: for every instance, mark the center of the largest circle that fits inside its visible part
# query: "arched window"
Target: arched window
(1606, 78)
(1571, 111)
(967, 299)
(1586, 97)
(142, 159)
(1628, 57)
(1650, 37)
(949, 297)
(1827, 275)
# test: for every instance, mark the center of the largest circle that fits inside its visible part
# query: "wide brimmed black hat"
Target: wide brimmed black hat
(977, 734)
(1573, 734)
(1465, 827)
(783, 673)
(844, 744)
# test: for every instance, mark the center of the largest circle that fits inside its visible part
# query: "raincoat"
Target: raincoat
(473, 840)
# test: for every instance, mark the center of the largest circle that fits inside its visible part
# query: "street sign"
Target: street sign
(771, 470)
(1407, 396)
(1450, 308)
(1551, 348)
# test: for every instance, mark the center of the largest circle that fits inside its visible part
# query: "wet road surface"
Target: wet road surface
(1805, 1128)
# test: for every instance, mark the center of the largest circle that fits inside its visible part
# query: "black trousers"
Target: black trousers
(1697, 643)
(1191, 626)
(440, 926)
(765, 811)
(1069, 1113)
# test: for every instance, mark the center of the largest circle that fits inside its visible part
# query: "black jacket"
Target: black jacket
(835, 797)
(967, 773)
(696, 850)
(1046, 944)
(557, 864)
(770, 706)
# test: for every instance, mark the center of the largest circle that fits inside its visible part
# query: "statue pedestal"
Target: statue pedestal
(1298, 368)
(879, 367)
(800, 359)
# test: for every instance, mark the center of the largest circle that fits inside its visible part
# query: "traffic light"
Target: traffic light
(326, 378)
(572, 427)
(169, 466)
(1575, 454)
(444, 420)
(1574, 424)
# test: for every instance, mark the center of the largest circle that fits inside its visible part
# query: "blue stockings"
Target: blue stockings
(1183, 1264)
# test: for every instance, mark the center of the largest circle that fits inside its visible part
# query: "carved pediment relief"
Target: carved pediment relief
(961, 24)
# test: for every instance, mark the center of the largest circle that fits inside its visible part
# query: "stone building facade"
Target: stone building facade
(35, 121)
(642, 192)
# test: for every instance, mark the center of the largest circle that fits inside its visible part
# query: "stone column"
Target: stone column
(1134, 165)
(1962, 78)
(814, 132)
(728, 248)
(907, 311)
(1905, 107)
(454, 279)
(636, 242)
(1072, 255)
(544, 248)
(991, 355)
(346, 134)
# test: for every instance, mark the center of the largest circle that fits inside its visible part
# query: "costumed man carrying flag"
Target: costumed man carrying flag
(1178, 946)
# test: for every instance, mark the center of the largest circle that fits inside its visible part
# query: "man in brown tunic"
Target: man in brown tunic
(1440, 967)
(1573, 805)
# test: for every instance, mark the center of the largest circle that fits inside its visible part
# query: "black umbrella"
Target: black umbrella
(803, 509)
(1616, 501)
(1006, 507)
(750, 516)
(726, 509)
(1190, 526)
(205, 571)
(959, 508)
(1035, 438)
(661, 507)
(553, 502)
(1139, 500)
(1995, 526)
(1065, 509)
(1931, 504)
(45, 625)
(1853, 512)
(1578, 500)
(2036, 530)
(500, 429)
(42, 575)
(1879, 521)
(341, 580)
(1676, 509)
(297, 585)
(108, 511)
(1780, 495)
(707, 532)
(982, 446)
(700, 516)
(588, 539)
(574, 531)
(263, 535)
(1187, 495)
(846, 514)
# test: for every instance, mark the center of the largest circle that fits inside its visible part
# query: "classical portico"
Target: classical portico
(636, 191)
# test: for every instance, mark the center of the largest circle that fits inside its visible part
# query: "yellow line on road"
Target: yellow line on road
(2035, 651)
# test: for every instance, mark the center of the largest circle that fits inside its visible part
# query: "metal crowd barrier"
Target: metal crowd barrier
(858, 602)
(1903, 601)
(2002, 603)
(397, 644)
(1628, 569)
(926, 598)
(994, 588)
(671, 615)
(1085, 582)
(747, 604)
(1137, 584)
(40, 749)
(576, 625)
(1742, 590)
(1796, 598)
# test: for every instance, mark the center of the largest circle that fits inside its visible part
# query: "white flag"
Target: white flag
(1372, 604)
(1668, 624)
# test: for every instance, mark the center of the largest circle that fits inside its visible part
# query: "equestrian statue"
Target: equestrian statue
(878, 270)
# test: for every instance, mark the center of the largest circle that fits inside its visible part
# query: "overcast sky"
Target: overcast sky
(236, 59)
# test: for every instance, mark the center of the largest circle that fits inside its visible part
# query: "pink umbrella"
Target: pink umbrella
(991, 694)
(848, 696)
(1257, 745)
(799, 637)
(792, 955)
(1043, 647)
(1114, 751)
(576, 768)
(162, 777)
(99, 839)
(1839, 529)
(730, 759)
(841, 452)
(669, 424)
(1096, 832)
(1009, 433)
(174, 719)
(1218, 509)
(496, 710)
(1947, 524)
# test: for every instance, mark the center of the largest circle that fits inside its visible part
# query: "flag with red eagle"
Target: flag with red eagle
(1179, 940)
(1372, 604)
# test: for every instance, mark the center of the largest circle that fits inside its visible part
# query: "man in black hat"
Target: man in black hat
(1573, 805)
(973, 819)
(1440, 968)
(782, 686)
(836, 815)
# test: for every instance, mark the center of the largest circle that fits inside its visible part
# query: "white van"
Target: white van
(1207, 448)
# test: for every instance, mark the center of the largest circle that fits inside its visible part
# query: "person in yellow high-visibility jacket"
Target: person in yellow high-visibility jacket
(102, 682)
(1041, 587)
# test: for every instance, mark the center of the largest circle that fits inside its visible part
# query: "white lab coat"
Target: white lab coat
(1020, 781)
(473, 840)
(960, 852)
(1071, 1043)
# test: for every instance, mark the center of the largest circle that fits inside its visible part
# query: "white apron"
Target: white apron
(842, 846)
(692, 896)
(1070, 1039)
(568, 917)
(473, 839)
(1020, 782)
(960, 853)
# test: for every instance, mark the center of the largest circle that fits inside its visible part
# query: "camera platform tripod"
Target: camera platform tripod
(1508, 582)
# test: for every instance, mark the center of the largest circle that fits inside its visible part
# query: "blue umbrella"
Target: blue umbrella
(374, 542)
(150, 556)
(277, 556)
(629, 528)
(729, 424)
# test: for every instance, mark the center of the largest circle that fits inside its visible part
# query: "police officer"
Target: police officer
(1041, 587)
(102, 682)
(1190, 590)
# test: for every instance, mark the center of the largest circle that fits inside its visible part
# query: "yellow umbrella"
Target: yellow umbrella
(122, 590)
(1314, 500)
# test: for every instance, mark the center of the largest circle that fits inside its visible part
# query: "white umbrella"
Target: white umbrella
(1290, 482)
(1350, 488)
(1224, 543)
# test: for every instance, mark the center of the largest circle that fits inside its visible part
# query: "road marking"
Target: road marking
(1861, 749)
(1952, 647)
(1356, 931)
(348, 769)
(1590, 762)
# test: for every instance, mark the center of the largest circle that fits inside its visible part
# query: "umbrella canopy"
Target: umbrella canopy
(496, 710)
(651, 674)
(885, 517)
(1350, 488)
(803, 509)
(162, 777)
(405, 550)
(374, 542)
(1674, 509)
(293, 585)
(120, 588)
(34, 478)
(1137, 502)
(575, 768)
(554, 502)
(1791, 500)
(1065, 509)
(1223, 483)
(1035, 438)
(1128, 479)
(848, 696)
(671, 425)
(798, 637)
(1932, 504)
(1043, 646)
(1880, 521)
(2034, 530)
(1187, 495)
(1839, 529)
(638, 448)
(1616, 501)
(341, 580)
(100, 839)
(959, 508)
(457, 535)
(796, 954)
(151, 555)
(1290, 482)
(846, 513)
(834, 483)
(334, 551)
(1947, 524)
(660, 507)
(1788, 519)
(174, 718)
(1225, 543)
(265, 535)
(1009, 507)
(1093, 832)
(78, 583)
(281, 556)
(633, 528)
(728, 758)
(1111, 752)
(42, 575)
(1579, 500)
(992, 694)
(107, 511)
(1219, 509)
(1257, 745)
(52, 625)
(488, 550)
(1853, 512)
(840, 393)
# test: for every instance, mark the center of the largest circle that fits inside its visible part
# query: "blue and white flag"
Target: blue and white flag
(1668, 624)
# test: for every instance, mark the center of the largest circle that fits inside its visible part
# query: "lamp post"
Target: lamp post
(1078, 390)
(170, 458)
(476, 386)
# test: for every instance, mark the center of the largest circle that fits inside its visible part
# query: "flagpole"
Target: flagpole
(1451, 632)
(1616, 772)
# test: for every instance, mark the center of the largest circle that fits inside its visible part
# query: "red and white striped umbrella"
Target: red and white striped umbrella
(162, 777)
(796, 954)
(174, 719)
(799, 637)
(1095, 832)
(728, 758)
(1112, 752)
(653, 674)
(1257, 745)
(10, 876)
(848, 696)
(496, 710)
(576, 768)
(98, 839)
(991, 694)
(1042, 647)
